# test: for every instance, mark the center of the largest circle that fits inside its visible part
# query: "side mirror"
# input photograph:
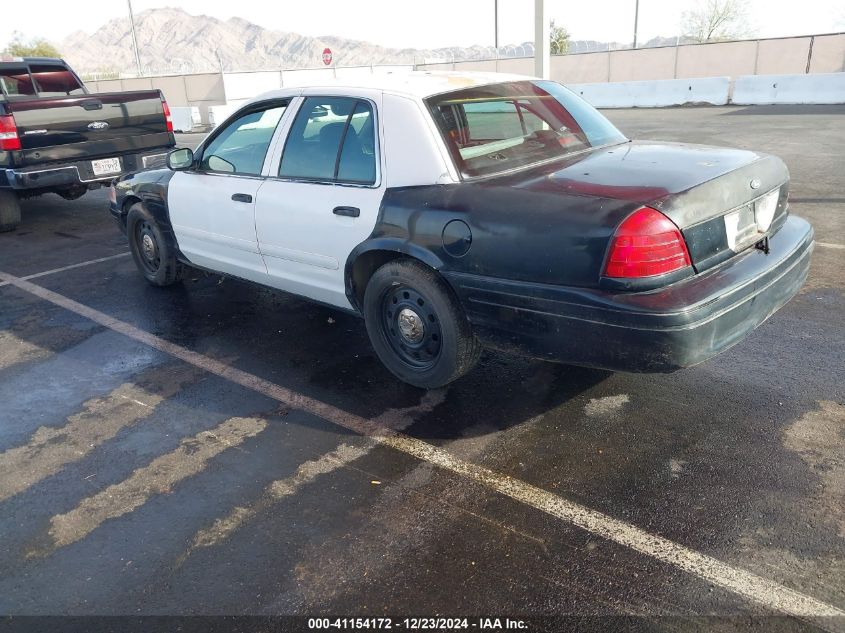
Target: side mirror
(180, 159)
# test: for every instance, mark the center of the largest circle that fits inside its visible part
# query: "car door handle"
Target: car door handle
(241, 197)
(349, 212)
(92, 104)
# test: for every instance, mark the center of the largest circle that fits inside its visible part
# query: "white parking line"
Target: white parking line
(71, 267)
(52, 448)
(829, 245)
(766, 593)
(157, 477)
(223, 528)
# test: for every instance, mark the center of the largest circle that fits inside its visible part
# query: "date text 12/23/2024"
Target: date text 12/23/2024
(438, 623)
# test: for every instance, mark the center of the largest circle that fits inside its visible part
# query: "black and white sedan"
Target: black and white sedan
(461, 211)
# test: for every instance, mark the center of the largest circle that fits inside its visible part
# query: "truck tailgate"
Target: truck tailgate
(92, 126)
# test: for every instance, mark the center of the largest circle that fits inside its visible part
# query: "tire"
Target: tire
(10, 210)
(434, 344)
(151, 251)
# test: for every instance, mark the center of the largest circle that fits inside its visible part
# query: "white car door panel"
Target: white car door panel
(213, 230)
(305, 245)
(303, 221)
(212, 208)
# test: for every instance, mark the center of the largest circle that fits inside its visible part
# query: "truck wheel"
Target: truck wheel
(151, 252)
(10, 210)
(417, 326)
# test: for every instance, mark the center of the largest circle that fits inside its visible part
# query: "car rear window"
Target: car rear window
(15, 82)
(496, 128)
(55, 81)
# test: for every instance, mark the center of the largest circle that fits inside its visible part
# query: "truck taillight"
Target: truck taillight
(168, 119)
(646, 244)
(9, 139)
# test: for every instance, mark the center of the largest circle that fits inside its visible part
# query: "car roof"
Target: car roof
(417, 83)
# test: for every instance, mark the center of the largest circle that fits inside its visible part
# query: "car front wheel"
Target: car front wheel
(417, 327)
(152, 254)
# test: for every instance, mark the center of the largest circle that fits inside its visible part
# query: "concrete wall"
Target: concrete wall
(587, 68)
(815, 88)
(780, 56)
(201, 90)
(642, 64)
(828, 54)
(714, 60)
(655, 94)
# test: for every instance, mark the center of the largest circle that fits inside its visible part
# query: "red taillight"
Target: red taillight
(646, 244)
(168, 119)
(9, 139)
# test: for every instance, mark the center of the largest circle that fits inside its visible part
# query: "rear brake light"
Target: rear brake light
(168, 119)
(9, 139)
(646, 244)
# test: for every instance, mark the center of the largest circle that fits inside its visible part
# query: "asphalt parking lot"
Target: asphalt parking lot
(219, 449)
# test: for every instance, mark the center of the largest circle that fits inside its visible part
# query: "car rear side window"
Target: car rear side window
(55, 81)
(16, 82)
(496, 128)
(331, 140)
(242, 145)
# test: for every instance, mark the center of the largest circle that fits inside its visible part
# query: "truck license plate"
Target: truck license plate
(106, 166)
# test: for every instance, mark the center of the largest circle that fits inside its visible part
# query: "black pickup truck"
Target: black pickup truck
(57, 137)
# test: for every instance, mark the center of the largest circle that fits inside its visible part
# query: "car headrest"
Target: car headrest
(331, 132)
(342, 107)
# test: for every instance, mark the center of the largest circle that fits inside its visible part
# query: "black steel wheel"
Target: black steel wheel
(153, 254)
(417, 326)
(412, 326)
(148, 247)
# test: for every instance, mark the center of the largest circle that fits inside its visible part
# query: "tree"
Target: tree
(558, 39)
(714, 20)
(35, 47)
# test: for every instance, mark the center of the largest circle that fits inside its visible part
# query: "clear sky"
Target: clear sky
(429, 23)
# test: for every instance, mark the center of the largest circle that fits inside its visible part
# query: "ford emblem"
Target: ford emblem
(98, 125)
(755, 183)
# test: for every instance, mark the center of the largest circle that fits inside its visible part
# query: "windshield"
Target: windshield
(490, 129)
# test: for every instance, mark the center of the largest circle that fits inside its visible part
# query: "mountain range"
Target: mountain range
(171, 40)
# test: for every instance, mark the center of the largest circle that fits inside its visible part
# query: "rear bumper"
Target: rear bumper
(657, 331)
(58, 176)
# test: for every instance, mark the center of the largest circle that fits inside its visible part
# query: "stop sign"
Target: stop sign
(327, 56)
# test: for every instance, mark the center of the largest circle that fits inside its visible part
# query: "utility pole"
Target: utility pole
(636, 17)
(542, 45)
(496, 25)
(134, 38)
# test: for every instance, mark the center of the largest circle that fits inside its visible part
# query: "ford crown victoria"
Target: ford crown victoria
(461, 211)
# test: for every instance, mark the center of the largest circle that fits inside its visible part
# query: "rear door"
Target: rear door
(212, 209)
(322, 198)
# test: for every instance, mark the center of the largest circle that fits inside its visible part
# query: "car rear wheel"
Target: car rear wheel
(10, 210)
(417, 327)
(151, 252)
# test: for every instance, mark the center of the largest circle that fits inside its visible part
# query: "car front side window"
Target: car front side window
(241, 147)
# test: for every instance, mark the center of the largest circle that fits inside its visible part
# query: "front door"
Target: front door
(212, 208)
(323, 199)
